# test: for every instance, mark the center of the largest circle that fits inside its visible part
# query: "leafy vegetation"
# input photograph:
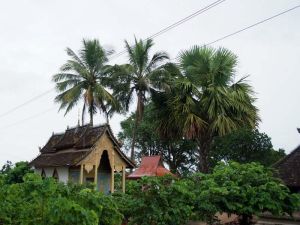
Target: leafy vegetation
(245, 146)
(242, 189)
(204, 100)
(154, 200)
(44, 201)
(14, 173)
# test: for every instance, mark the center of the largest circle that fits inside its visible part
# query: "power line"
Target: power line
(176, 24)
(28, 118)
(253, 25)
(248, 27)
(25, 103)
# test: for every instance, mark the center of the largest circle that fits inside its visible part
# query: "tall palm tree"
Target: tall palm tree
(204, 100)
(138, 77)
(81, 77)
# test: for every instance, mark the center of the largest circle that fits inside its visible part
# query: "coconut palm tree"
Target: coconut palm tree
(81, 77)
(204, 100)
(137, 78)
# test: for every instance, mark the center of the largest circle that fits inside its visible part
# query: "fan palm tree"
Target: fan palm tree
(204, 100)
(81, 77)
(138, 77)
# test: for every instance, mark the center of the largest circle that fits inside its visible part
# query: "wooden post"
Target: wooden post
(96, 177)
(112, 180)
(123, 178)
(81, 173)
(96, 170)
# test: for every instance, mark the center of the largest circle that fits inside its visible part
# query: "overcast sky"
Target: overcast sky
(35, 33)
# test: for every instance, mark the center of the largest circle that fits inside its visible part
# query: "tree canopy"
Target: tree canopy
(245, 146)
(244, 190)
(82, 78)
(137, 77)
(14, 173)
(204, 100)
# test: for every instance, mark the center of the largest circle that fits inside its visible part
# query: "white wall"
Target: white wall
(63, 172)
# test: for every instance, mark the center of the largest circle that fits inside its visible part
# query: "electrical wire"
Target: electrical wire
(26, 103)
(253, 25)
(176, 24)
(28, 118)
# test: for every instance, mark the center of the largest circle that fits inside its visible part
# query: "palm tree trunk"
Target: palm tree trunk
(91, 117)
(107, 119)
(203, 155)
(138, 116)
(132, 155)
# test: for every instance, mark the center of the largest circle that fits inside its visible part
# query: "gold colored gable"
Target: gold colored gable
(94, 157)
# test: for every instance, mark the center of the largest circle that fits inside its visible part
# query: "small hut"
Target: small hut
(83, 154)
(151, 166)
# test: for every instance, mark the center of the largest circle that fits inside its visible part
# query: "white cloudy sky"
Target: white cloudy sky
(34, 34)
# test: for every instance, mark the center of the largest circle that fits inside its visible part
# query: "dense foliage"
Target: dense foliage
(204, 100)
(163, 201)
(39, 201)
(15, 173)
(242, 189)
(245, 146)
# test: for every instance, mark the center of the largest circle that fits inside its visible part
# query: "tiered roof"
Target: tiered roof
(70, 147)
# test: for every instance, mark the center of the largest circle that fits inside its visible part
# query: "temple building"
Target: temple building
(83, 154)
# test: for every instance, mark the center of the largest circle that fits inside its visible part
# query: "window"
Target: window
(55, 175)
(74, 176)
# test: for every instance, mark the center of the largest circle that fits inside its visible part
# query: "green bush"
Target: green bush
(242, 189)
(154, 201)
(45, 201)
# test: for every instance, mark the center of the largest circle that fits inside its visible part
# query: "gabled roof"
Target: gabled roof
(289, 168)
(70, 147)
(150, 166)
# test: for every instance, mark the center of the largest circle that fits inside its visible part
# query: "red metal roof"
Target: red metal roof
(150, 166)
